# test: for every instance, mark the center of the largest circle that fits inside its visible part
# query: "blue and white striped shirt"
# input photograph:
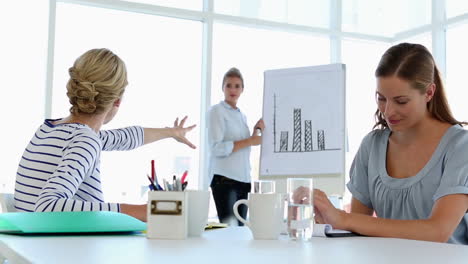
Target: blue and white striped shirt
(59, 169)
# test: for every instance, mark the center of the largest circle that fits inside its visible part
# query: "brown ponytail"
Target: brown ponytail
(415, 64)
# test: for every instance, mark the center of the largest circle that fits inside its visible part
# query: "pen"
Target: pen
(153, 171)
(166, 185)
(183, 177)
(154, 177)
(258, 131)
(151, 186)
(179, 184)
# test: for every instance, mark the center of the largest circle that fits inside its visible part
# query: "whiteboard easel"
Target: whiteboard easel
(304, 115)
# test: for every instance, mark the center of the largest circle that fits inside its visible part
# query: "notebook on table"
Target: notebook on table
(325, 230)
(68, 222)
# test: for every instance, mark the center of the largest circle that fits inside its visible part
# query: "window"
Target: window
(300, 12)
(456, 70)
(164, 61)
(456, 7)
(23, 66)
(164, 70)
(184, 4)
(424, 39)
(361, 59)
(385, 17)
(254, 51)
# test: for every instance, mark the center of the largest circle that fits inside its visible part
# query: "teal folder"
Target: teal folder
(68, 222)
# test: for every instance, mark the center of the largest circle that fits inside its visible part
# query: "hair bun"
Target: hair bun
(83, 92)
(97, 79)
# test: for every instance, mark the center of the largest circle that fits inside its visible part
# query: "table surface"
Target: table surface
(227, 245)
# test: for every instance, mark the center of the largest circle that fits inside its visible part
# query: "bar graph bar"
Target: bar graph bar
(308, 136)
(297, 130)
(321, 139)
(284, 141)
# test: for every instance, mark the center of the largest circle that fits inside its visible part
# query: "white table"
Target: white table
(229, 245)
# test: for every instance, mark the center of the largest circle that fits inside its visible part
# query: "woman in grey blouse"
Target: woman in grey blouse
(412, 170)
(230, 141)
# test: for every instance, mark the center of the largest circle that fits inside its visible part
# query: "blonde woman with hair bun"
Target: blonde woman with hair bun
(59, 169)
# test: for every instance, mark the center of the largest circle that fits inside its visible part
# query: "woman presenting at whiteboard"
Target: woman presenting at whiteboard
(230, 140)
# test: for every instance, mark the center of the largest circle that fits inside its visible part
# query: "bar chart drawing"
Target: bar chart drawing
(304, 115)
(299, 144)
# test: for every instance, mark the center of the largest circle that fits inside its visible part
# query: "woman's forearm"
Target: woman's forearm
(248, 142)
(427, 229)
(177, 132)
(155, 134)
(137, 211)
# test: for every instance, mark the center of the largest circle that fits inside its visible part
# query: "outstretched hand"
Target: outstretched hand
(179, 132)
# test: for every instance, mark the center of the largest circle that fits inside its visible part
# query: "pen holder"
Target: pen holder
(167, 215)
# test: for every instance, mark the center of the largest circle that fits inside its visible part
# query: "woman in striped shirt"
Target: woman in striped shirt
(59, 169)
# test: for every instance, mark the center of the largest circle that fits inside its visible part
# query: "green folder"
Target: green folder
(68, 222)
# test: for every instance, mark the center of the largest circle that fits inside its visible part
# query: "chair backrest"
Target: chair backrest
(7, 202)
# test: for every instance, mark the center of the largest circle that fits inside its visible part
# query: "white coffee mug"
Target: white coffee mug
(198, 205)
(265, 214)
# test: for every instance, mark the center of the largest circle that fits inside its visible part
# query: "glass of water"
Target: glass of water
(263, 186)
(300, 208)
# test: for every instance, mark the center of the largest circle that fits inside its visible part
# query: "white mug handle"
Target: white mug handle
(236, 211)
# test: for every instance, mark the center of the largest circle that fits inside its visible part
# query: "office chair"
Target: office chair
(7, 202)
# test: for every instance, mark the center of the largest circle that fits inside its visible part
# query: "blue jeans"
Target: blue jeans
(226, 192)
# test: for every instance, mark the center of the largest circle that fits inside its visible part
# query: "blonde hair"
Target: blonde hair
(233, 73)
(97, 79)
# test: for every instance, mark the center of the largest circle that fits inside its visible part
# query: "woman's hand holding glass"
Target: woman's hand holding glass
(326, 213)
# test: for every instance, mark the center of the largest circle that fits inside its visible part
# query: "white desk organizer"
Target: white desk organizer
(167, 215)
